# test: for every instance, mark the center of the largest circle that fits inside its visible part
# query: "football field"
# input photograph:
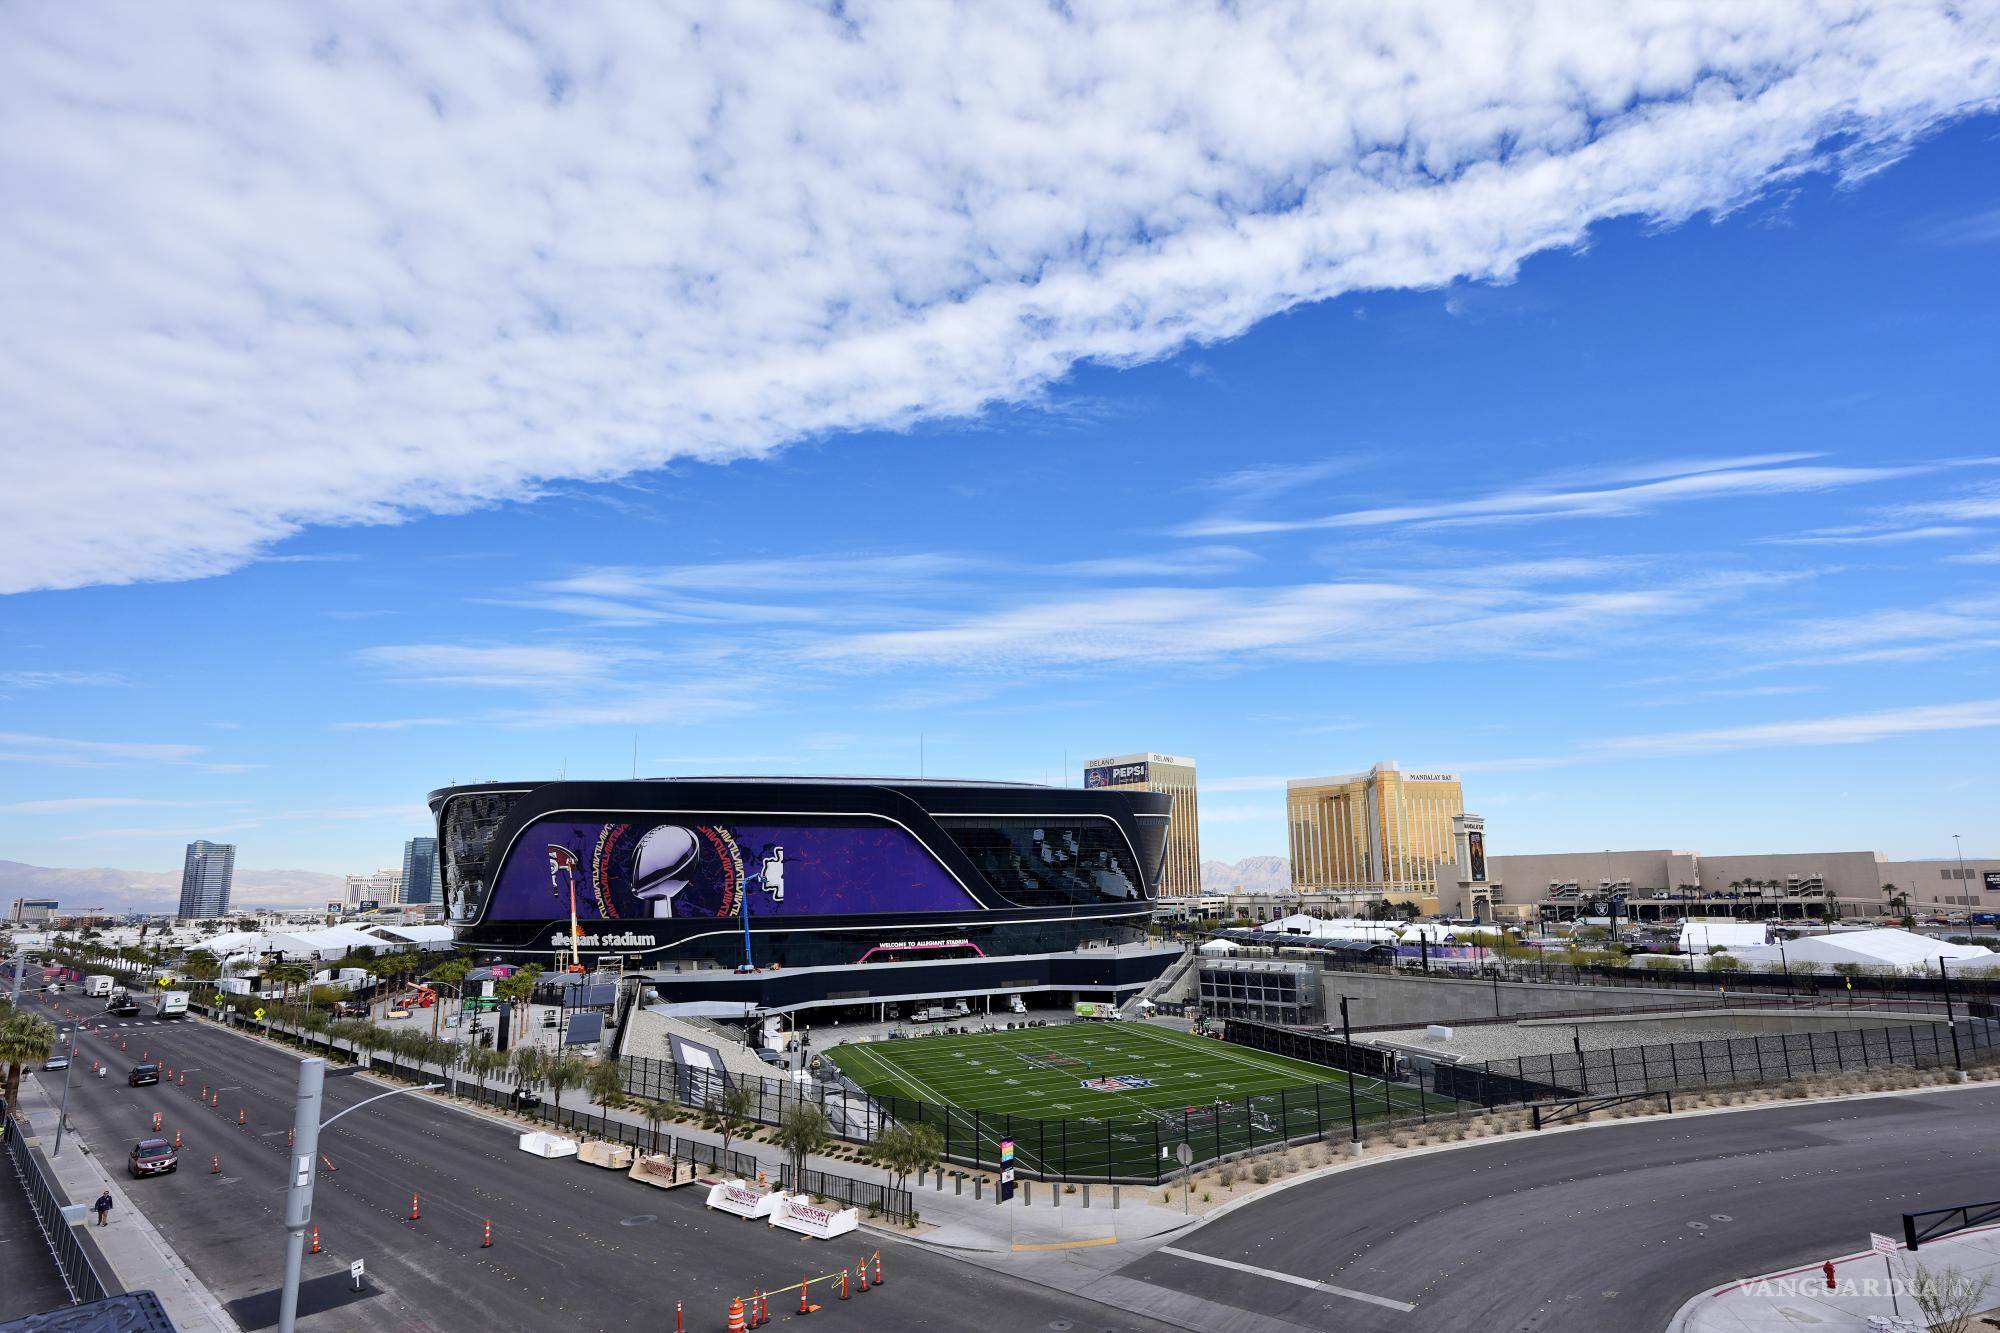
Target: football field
(1094, 1099)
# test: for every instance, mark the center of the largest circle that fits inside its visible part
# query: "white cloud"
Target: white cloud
(1530, 504)
(73, 804)
(1850, 729)
(1379, 620)
(41, 680)
(500, 666)
(1868, 537)
(307, 265)
(63, 752)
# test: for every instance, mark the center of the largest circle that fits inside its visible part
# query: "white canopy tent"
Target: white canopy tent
(1902, 949)
(1700, 935)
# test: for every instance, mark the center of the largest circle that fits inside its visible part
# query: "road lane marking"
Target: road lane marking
(1276, 1276)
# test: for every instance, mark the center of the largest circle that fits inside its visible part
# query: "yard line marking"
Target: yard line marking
(1273, 1274)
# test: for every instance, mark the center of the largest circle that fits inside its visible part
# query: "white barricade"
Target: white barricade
(544, 1144)
(810, 1219)
(744, 1200)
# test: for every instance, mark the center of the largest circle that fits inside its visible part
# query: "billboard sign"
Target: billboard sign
(1117, 775)
(368, 905)
(667, 867)
(1993, 881)
(1475, 846)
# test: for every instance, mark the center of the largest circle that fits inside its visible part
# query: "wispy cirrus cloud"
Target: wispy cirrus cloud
(66, 752)
(1541, 503)
(67, 805)
(502, 666)
(42, 680)
(533, 248)
(1844, 729)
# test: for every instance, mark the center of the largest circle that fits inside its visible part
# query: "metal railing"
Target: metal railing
(894, 1204)
(45, 1198)
(1937, 1223)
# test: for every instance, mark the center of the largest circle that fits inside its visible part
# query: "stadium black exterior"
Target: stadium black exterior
(838, 890)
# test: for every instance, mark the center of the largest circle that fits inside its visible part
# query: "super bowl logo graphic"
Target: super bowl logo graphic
(694, 869)
(1115, 1083)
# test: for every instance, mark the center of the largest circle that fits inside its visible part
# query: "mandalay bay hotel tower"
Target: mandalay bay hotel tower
(1382, 834)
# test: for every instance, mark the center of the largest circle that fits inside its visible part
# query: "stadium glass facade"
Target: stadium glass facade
(784, 892)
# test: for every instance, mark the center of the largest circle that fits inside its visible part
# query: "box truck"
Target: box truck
(99, 986)
(171, 1004)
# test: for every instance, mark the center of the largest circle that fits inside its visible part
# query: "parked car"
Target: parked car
(57, 1061)
(147, 1071)
(349, 1009)
(153, 1157)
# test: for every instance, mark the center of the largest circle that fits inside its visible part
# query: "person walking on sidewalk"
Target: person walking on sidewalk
(103, 1207)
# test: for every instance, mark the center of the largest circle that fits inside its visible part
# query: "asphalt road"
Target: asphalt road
(574, 1247)
(1606, 1228)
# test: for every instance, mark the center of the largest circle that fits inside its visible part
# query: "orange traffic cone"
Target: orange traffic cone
(315, 1245)
(156, 1121)
(239, 1116)
(803, 1284)
(864, 1273)
(878, 1268)
(177, 1140)
(487, 1242)
(184, 1080)
(413, 1207)
(288, 1137)
(843, 1284)
(215, 1164)
(736, 1324)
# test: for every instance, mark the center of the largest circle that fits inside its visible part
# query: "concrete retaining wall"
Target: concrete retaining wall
(1379, 1000)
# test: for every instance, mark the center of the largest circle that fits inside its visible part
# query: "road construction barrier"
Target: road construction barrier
(736, 1322)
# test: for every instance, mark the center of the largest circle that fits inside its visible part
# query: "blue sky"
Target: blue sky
(1664, 504)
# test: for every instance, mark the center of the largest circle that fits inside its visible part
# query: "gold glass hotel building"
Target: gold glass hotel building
(1383, 833)
(1180, 876)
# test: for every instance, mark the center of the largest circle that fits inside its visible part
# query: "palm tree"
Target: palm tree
(562, 1071)
(732, 1112)
(606, 1082)
(202, 967)
(655, 1111)
(802, 1132)
(24, 1039)
(909, 1149)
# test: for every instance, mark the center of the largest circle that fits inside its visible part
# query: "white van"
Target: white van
(99, 986)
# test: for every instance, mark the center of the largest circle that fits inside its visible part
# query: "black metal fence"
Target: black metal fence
(1692, 1065)
(45, 1198)
(1871, 987)
(890, 1202)
(1126, 1149)
(1313, 1047)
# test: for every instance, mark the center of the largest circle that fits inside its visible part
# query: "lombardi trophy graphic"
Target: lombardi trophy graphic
(662, 864)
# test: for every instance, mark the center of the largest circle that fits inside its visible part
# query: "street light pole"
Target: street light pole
(1959, 848)
(299, 1189)
(1353, 1115)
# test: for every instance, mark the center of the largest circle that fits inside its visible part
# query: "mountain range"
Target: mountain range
(1253, 874)
(160, 890)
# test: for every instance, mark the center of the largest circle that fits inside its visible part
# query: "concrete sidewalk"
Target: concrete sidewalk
(139, 1257)
(1868, 1296)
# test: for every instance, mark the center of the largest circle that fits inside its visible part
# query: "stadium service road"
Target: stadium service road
(574, 1247)
(1605, 1228)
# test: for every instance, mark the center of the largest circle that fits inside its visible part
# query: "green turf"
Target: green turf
(1220, 1098)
